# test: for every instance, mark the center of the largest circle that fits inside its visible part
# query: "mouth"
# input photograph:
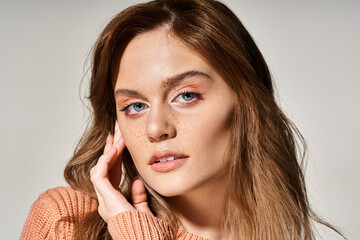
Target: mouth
(165, 159)
(165, 156)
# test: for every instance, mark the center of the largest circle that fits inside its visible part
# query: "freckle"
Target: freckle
(176, 119)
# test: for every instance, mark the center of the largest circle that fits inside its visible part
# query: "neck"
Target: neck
(201, 210)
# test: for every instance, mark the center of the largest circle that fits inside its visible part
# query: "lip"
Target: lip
(166, 153)
(164, 167)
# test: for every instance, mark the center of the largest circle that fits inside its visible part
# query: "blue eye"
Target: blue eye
(186, 97)
(133, 108)
(138, 107)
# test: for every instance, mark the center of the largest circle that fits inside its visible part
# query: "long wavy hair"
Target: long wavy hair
(266, 197)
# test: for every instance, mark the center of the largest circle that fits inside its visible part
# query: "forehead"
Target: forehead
(155, 56)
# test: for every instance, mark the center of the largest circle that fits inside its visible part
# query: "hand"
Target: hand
(106, 176)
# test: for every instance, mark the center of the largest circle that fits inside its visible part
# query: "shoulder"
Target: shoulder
(52, 206)
(66, 200)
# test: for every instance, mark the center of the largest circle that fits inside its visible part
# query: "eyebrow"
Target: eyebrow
(166, 84)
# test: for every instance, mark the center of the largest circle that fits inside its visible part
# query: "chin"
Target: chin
(169, 188)
(174, 187)
(169, 194)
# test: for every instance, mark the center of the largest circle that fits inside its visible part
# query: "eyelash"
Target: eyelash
(197, 97)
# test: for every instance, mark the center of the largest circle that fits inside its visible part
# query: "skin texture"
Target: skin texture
(198, 128)
(107, 173)
(162, 117)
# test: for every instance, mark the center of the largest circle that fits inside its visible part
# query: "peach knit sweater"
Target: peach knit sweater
(58, 202)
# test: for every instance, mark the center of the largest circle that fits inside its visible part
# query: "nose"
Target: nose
(160, 125)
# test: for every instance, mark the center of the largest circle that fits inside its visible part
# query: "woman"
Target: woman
(186, 139)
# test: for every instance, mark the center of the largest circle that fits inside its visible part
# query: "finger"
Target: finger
(105, 170)
(117, 139)
(99, 177)
(109, 143)
(120, 146)
(139, 196)
(117, 133)
(115, 174)
(102, 166)
(107, 192)
(100, 170)
(99, 174)
(115, 171)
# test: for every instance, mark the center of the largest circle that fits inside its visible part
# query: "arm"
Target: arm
(40, 223)
(53, 205)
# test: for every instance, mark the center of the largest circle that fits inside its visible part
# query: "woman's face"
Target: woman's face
(171, 102)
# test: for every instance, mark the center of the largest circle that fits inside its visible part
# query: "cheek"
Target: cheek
(208, 132)
(134, 138)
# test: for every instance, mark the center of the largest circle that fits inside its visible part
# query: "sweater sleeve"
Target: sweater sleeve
(40, 223)
(135, 225)
(57, 203)
(51, 206)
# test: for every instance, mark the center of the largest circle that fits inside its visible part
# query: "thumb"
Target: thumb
(139, 196)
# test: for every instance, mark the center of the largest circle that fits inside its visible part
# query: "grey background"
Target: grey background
(312, 48)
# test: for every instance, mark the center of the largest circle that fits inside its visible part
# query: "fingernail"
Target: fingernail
(108, 139)
(116, 126)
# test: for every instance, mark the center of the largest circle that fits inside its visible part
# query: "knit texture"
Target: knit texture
(59, 202)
